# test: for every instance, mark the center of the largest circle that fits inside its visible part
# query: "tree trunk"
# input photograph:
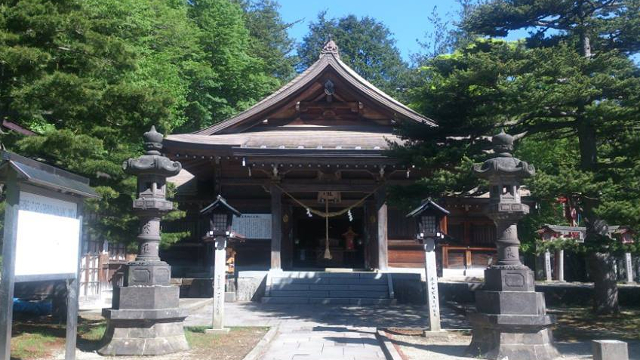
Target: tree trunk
(587, 143)
(605, 294)
(605, 288)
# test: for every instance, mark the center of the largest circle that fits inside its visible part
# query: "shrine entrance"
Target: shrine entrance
(346, 241)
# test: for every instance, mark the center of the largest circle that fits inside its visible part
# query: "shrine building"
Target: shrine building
(309, 168)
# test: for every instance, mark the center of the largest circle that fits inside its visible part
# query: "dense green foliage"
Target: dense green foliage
(365, 44)
(269, 38)
(91, 76)
(571, 90)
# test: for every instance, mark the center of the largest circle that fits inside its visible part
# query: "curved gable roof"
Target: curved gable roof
(329, 58)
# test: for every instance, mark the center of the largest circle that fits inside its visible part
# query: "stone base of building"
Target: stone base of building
(149, 324)
(511, 319)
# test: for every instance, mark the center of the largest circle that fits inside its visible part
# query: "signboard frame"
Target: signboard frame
(247, 225)
(24, 175)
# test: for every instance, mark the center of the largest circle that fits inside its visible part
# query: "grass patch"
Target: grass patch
(32, 339)
(579, 323)
(33, 346)
(234, 345)
(41, 337)
(199, 340)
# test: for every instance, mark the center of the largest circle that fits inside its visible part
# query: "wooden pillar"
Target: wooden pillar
(286, 254)
(370, 228)
(383, 246)
(276, 227)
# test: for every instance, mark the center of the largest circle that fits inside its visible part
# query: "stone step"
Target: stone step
(315, 274)
(329, 281)
(323, 287)
(330, 294)
(326, 301)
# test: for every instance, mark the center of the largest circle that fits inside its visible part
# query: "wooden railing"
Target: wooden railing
(464, 257)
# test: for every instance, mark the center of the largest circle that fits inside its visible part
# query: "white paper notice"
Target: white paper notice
(48, 236)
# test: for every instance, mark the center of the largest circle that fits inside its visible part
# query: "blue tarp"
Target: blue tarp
(32, 307)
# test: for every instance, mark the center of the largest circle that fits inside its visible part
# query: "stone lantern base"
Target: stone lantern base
(510, 318)
(144, 320)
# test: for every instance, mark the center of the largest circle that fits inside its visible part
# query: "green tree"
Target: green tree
(236, 78)
(445, 35)
(270, 40)
(594, 37)
(365, 44)
(576, 82)
(91, 77)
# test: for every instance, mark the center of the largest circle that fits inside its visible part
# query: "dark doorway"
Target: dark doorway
(346, 241)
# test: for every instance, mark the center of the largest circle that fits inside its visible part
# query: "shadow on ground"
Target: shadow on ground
(333, 315)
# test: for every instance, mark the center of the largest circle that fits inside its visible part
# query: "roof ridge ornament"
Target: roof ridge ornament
(330, 48)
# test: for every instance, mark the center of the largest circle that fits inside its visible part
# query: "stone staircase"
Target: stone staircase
(317, 287)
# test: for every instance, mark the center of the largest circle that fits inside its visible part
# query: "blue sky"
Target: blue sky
(406, 19)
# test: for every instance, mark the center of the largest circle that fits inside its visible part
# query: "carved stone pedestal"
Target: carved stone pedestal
(144, 320)
(511, 319)
(144, 332)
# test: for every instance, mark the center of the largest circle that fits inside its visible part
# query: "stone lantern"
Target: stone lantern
(511, 319)
(428, 216)
(220, 220)
(145, 318)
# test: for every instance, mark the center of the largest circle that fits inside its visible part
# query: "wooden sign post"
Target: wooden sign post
(220, 220)
(428, 217)
(628, 264)
(431, 277)
(219, 281)
(42, 236)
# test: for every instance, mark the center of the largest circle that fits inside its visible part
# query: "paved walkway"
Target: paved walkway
(308, 316)
(340, 343)
(314, 332)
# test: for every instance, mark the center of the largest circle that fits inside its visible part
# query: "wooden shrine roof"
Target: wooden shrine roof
(328, 106)
(293, 137)
(329, 59)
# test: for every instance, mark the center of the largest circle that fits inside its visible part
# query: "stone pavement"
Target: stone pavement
(340, 343)
(313, 332)
(308, 316)
(330, 332)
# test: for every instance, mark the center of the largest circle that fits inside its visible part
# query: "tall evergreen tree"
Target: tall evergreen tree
(91, 76)
(573, 79)
(365, 44)
(237, 78)
(599, 32)
(270, 40)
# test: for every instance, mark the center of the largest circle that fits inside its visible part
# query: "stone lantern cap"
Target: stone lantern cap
(503, 164)
(221, 205)
(152, 162)
(430, 207)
